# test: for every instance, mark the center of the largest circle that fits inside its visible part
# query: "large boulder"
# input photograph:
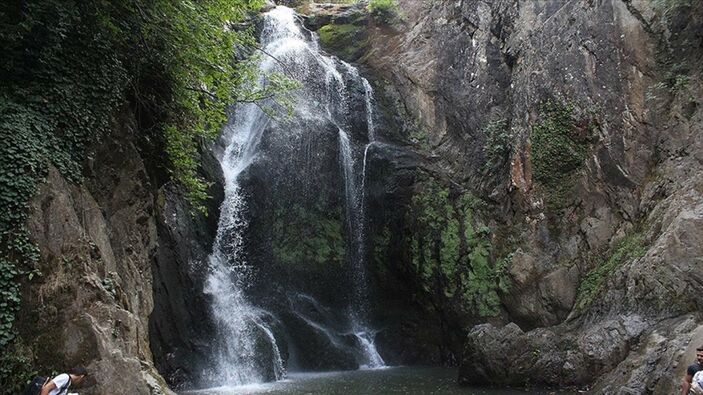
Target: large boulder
(627, 353)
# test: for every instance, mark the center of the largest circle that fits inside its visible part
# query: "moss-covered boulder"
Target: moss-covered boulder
(348, 41)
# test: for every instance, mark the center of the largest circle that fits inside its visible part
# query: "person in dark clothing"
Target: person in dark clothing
(691, 370)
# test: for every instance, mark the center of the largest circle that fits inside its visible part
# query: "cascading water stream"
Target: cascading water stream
(368, 98)
(239, 323)
(244, 330)
(363, 334)
(355, 197)
(371, 127)
(356, 221)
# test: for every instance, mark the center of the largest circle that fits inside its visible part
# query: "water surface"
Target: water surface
(398, 380)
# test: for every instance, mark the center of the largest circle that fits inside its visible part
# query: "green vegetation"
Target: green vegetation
(109, 285)
(348, 41)
(451, 250)
(383, 11)
(381, 244)
(69, 67)
(419, 136)
(15, 368)
(630, 248)
(557, 153)
(56, 94)
(676, 81)
(308, 236)
(498, 145)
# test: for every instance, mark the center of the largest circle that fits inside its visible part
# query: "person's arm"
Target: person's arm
(47, 387)
(685, 385)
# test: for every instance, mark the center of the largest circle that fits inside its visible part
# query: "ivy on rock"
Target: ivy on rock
(630, 248)
(498, 145)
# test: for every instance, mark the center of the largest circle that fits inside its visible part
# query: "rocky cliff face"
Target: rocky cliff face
(180, 324)
(577, 126)
(114, 250)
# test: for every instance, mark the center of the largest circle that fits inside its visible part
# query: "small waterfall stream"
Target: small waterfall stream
(363, 333)
(370, 124)
(248, 350)
(368, 96)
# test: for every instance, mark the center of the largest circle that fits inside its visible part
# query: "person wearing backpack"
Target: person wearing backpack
(59, 385)
(689, 385)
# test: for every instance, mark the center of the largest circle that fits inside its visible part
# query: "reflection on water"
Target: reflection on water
(400, 380)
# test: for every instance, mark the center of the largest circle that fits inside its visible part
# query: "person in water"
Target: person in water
(691, 371)
(59, 385)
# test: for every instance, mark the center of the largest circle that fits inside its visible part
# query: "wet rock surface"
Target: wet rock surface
(321, 14)
(180, 325)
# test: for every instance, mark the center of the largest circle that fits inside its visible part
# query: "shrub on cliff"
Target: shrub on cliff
(558, 151)
(383, 10)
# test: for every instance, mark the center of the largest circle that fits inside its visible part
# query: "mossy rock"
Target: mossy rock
(451, 249)
(348, 41)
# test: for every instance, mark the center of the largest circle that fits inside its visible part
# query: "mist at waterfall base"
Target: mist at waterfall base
(287, 279)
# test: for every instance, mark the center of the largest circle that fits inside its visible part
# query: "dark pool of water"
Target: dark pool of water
(397, 380)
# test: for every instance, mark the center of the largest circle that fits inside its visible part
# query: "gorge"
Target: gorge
(508, 188)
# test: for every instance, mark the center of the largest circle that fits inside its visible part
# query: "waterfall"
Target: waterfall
(350, 189)
(356, 222)
(241, 326)
(371, 132)
(248, 350)
(239, 323)
(356, 219)
(368, 99)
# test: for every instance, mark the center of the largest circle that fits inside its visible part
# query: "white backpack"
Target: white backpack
(696, 388)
